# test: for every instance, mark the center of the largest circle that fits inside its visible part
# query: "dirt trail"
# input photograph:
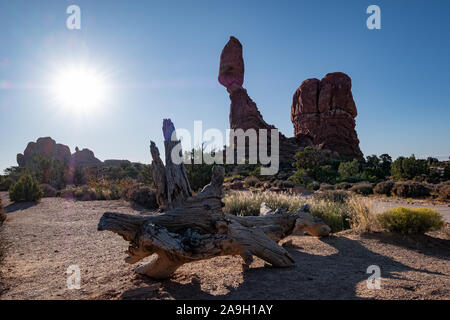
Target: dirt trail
(43, 240)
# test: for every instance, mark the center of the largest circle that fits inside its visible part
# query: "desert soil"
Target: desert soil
(42, 240)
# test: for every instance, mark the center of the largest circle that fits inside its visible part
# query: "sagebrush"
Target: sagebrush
(411, 221)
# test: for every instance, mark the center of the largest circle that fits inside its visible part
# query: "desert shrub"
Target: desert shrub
(447, 171)
(443, 192)
(384, 187)
(5, 183)
(377, 168)
(313, 186)
(199, 175)
(251, 181)
(67, 193)
(363, 188)
(343, 186)
(409, 168)
(349, 169)
(141, 195)
(114, 192)
(326, 186)
(338, 215)
(48, 190)
(410, 189)
(335, 214)
(85, 194)
(360, 215)
(2, 213)
(332, 195)
(313, 165)
(26, 189)
(244, 203)
(410, 221)
(80, 176)
(284, 184)
(300, 177)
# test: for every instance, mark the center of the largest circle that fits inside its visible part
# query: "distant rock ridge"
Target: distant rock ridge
(322, 112)
(48, 148)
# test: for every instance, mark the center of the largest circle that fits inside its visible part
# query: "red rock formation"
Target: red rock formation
(85, 158)
(46, 147)
(326, 111)
(244, 113)
(231, 72)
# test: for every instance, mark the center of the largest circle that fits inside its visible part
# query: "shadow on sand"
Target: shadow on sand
(18, 206)
(333, 276)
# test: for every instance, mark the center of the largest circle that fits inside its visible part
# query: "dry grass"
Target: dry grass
(352, 212)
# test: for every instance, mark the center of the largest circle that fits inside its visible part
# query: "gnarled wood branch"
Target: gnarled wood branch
(194, 228)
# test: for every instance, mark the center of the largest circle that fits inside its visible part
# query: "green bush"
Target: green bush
(284, 184)
(363, 188)
(410, 221)
(384, 187)
(141, 195)
(349, 170)
(26, 189)
(410, 189)
(48, 190)
(313, 186)
(5, 183)
(85, 194)
(444, 192)
(332, 195)
(326, 186)
(251, 181)
(409, 168)
(300, 177)
(343, 186)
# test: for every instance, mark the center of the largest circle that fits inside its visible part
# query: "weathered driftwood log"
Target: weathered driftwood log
(197, 229)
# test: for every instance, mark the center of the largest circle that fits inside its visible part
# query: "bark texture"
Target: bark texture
(194, 227)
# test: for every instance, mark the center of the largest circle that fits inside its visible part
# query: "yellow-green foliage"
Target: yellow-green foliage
(338, 215)
(411, 221)
(26, 189)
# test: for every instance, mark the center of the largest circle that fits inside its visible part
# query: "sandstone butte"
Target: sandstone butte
(48, 148)
(322, 112)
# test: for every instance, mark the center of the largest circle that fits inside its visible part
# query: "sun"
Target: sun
(79, 89)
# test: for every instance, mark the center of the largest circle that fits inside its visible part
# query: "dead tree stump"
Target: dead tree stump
(194, 228)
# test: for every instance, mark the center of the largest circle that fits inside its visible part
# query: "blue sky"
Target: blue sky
(161, 60)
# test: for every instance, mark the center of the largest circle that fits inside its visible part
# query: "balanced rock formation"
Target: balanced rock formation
(231, 72)
(322, 112)
(46, 147)
(244, 113)
(85, 158)
(325, 110)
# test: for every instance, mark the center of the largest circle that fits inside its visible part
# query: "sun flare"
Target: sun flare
(80, 89)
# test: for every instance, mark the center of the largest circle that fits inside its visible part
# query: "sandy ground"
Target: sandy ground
(44, 239)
